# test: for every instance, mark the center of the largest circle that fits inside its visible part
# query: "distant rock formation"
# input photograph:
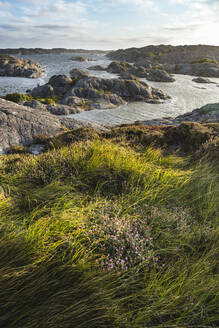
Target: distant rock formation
(80, 59)
(197, 60)
(40, 51)
(13, 66)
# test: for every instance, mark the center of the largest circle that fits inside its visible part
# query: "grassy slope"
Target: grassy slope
(106, 232)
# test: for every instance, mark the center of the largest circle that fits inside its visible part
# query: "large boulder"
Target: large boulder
(58, 85)
(77, 74)
(118, 67)
(43, 91)
(13, 66)
(159, 75)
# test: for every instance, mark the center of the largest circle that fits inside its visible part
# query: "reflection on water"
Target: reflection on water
(52, 64)
(186, 94)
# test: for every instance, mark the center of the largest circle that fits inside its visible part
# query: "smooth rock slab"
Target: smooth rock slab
(20, 125)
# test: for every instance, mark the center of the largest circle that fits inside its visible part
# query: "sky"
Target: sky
(107, 24)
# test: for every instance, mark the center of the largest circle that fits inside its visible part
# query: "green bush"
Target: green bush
(18, 97)
(49, 100)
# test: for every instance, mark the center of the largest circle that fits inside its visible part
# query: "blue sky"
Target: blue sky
(107, 24)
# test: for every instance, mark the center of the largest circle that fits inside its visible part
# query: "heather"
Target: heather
(111, 229)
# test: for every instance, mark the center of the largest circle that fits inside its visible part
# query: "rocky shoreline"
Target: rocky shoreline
(40, 113)
(22, 125)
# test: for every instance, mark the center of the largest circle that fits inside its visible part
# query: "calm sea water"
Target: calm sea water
(186, 94)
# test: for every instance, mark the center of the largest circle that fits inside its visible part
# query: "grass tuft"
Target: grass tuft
(103, 230)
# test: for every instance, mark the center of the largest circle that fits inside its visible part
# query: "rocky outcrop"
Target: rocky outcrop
(55, 109)
(97, 92)
(159, 75)
(119, 67)
(77, 74)
(20, 125)
(80, 59)
(202, 80)
(122, 68)
(156, 73)
(166, 54)
(207, 113)
(57, 85)
(13, 66)
(197, 60)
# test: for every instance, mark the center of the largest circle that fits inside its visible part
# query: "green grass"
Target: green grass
(204, 61)
(19, 97)
(70, 252)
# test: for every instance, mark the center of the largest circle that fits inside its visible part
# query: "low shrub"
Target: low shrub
(18, 97)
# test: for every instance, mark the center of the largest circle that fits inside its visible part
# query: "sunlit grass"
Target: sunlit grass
(70, 252)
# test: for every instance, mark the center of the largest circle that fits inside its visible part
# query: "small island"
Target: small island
(80, 58)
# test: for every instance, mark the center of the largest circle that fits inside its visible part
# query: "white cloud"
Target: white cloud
(64, 23)
(4, 5)
(139, 4)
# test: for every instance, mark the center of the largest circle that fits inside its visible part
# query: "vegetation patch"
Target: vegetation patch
(103, 230)
(19, 97)
(204, 61)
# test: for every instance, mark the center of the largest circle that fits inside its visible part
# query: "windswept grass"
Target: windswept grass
(98, 233)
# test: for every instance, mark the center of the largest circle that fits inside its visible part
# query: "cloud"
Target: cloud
(4, 5)
(138, 4)
(98, 23)
(57, 10)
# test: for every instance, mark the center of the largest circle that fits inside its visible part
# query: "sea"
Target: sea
(186, 95)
